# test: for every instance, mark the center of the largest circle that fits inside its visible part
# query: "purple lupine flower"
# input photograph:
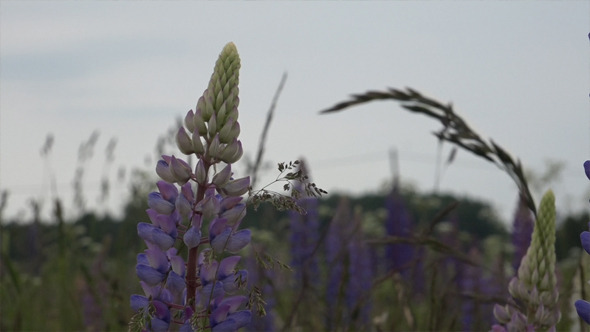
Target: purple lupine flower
(469, 285)
(336, 255)
(304, 238)
(398, 224)
(264, 279)
(201, 292)
(522, 230)
(360, 279)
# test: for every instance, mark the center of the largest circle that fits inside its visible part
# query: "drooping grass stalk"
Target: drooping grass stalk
(455, 130)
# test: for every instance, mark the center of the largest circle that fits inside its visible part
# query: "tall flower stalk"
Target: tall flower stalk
(197, 214)
(533, 305)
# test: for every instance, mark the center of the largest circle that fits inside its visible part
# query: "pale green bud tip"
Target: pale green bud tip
(221, 96)
(547, 207)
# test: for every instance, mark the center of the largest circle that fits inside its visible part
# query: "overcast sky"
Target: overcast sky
(517, 71)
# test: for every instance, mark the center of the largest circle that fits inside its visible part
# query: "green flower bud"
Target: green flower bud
(215, 148)
(221, 96)
(232, 152)
(236, 187)
(184, 142)
(225, 133)
(188, 121)
(201, 173)
(180, 170)
(197, 144)
(212, 126)
(199, 123)
(221, 177)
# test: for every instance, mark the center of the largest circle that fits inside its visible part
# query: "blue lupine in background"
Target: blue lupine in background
(399, 256)
(522, 228)
(360, 278)
(304, 238)
(336, 254)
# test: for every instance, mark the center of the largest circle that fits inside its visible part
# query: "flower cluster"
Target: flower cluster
(196, 214)
(582, 306)
(533, 304)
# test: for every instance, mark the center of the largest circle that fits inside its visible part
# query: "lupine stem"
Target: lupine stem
(193, 254)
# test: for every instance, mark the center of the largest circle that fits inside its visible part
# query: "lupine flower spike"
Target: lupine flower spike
(534, 294)
(582, 306)
(196, 215)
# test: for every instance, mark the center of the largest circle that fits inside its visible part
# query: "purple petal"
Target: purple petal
(161, 239)
(187, 191)
(158, 325)
(138, 302)
(225, 326)
(587, 168)
(167, 224)
(157, 259)
(206, 292)
(192, 237)
(219, 314)
(142, 259)
(238, 240)
(216, 227)
(183, 206)
(144, 230)
(168, 191)
(186, 327)
(163, 171)
(178, 265)
(219, 242)
(230, 201)
(161, 310)
(208, 206)
(585, 239)
(230, 282)
(583, 309)
(153, 215)
(227, 266)
(148, 274)
(234, 302)
(234, 321)
(162, 206)
(208, 271)
(175, 284)
(235, 214)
